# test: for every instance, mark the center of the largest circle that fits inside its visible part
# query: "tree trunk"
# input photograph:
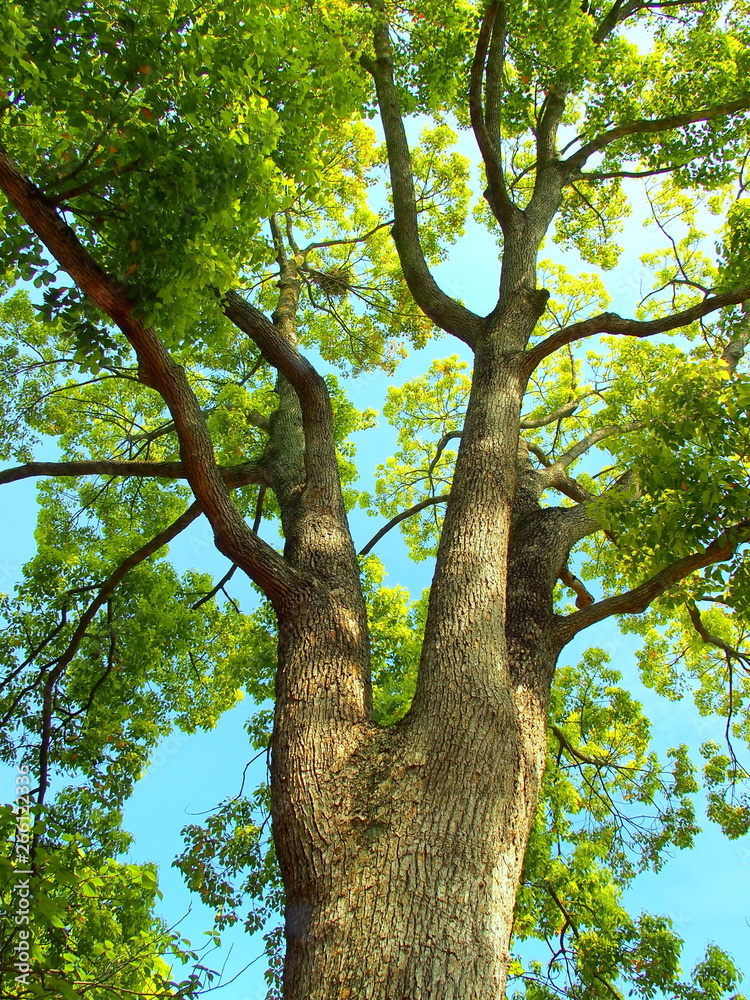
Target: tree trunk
(402, 848)
(402, 864)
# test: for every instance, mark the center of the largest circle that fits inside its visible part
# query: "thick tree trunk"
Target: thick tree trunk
(402, 848)
(401, 867)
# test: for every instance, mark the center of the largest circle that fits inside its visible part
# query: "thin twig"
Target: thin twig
(428, 502)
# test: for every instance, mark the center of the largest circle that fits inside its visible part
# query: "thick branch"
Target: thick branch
(537, 452)
(615, 325)
(546, 133)
(618, 12)
(555, 478)
(486, 125)
(321, 467)
(549, 178)
(444, 311)
(581, 520)
(234, 476)
(493, 75)
(576, 754)
(636, 601)
(583, 597)
(651, 126)
(156, 369)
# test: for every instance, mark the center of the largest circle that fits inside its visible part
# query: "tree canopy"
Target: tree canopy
(207, 246)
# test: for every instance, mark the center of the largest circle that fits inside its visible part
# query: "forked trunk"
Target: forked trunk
(402, 848)
(403, 887)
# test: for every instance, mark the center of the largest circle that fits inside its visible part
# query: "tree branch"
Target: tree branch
(493, 76)
(617, 13)
(537, 452)
(555, 478)
(442, 443)
(650, 126)
(620, 11)
(157, 369)
(566, 410)
(321, 465)
(444, 311)
(733, 352)
(234, 476)
(428, 502)
(714, 640)
(633, 174)
(345, 241)
(546, 133)
(486, 125)
(582, 446)
(637, 600)
(105, 591)
(216, 588)
(583, 597)
(615, 325)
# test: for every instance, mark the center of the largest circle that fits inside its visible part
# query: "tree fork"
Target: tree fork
(422, 864)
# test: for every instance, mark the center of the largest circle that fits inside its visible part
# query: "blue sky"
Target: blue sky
(705, 891)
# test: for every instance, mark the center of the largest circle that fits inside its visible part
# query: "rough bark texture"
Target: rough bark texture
(402, 848)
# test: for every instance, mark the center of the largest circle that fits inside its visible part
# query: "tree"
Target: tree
(205, 192)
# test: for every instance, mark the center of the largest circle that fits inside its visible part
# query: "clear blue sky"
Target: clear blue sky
(705, 891)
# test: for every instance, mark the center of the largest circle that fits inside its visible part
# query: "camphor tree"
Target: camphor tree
(194, 186)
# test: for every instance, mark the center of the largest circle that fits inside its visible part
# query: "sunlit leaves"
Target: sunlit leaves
(727, 807)
(433, 48)
(230, 858)
(423, 410)
(167, 144)
(396, 627)
(736, 243)
(359, 312)
(572, 296)
(197, 150)
(586, 846)
(442, 191)
(90, 922)
(589, 219)
(691, 459)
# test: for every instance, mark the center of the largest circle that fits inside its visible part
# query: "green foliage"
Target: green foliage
(228, 843)
(396, 629)
(690, 462)
(587, 846)
(89, 929)
(195, 150)
(177, 129)
(423, 411)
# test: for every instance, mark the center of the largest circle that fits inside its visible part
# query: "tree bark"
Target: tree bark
(402, 848)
